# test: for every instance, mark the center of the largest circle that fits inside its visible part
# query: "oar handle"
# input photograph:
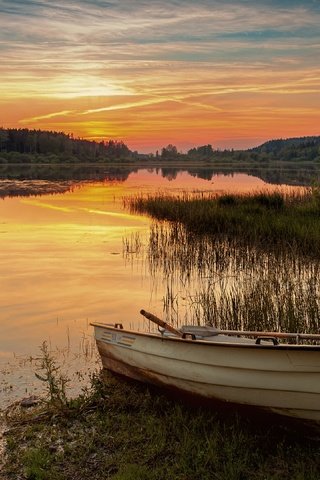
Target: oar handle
(161, 323)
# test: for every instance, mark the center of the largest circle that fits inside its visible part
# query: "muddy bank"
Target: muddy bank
(15, 188)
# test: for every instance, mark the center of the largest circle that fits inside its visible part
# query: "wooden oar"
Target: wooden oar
(302, 336)
(161, 323)
(207, 330)
(238, 333)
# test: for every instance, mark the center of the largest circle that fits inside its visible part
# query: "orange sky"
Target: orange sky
(232, 73)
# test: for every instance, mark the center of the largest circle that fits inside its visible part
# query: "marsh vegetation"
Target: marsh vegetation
(237, 262)
(263, 219)
(226, 277)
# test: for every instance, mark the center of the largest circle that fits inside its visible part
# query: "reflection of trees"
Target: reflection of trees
(290, 176)
(204, 174)
(170, 173)
(294, 176)
(35, 180)
(273, 175)
(69, 173)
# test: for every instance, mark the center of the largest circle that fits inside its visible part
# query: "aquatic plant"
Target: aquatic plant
(208, 279)
(261, 219)
(237, 261)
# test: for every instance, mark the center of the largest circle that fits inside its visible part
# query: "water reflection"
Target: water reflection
(62, 267)
(73, 174)
(62, 262)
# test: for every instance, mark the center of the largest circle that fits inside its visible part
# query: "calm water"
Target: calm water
(63, 266)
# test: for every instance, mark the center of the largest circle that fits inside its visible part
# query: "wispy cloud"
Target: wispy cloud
(97, 63)
(64, 113)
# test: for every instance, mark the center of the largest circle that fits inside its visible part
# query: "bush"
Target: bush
(273, 200)
(226, 200)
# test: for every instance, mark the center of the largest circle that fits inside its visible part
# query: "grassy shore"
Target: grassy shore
(271, 219)
(123, 431)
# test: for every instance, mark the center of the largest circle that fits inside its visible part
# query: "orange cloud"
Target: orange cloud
(230, 75)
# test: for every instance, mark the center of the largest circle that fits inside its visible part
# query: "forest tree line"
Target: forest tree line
(302, 149)
(59, 145)
(39, 146)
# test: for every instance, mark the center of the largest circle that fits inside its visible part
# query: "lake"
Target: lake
(67, 260)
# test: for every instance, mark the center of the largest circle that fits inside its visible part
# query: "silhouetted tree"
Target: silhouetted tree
(61, 145)
(203, 152)
(169, 152)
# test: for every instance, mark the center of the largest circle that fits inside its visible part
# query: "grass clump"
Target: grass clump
(128, 431)
(55, 381)
(267, 219)
(39, 465)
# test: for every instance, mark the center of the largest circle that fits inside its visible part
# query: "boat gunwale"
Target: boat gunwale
(206, 343)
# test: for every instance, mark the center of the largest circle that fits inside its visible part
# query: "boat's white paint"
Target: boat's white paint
(284, 378)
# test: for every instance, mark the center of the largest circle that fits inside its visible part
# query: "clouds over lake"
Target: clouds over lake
(155, 71)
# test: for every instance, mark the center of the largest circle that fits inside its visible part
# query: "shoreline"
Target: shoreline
(125, 431)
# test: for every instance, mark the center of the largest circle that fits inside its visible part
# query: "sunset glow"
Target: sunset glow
(232, 73)
(62, 255)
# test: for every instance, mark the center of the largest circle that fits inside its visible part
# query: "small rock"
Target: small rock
(30, 401)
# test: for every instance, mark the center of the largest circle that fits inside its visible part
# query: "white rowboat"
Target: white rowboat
(223, 365)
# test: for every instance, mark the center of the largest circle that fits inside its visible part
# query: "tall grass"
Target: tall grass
(237, 261)
(276, 219)
(208, 279)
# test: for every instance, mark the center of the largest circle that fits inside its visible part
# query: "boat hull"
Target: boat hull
(284, 379)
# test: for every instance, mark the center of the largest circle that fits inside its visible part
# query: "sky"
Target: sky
(231, 73)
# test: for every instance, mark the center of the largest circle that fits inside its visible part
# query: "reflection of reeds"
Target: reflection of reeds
(87, 347)
(214, 280)
(131, 245)
(264, 303)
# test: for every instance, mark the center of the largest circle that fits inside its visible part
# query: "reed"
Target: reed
(131, 245)
(208, 279)
(237, 261)
(275, 219)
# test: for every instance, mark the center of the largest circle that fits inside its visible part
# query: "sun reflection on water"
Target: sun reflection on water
(62, 262)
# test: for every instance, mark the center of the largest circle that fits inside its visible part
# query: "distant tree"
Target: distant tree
(202, 152)
(4, 137)
(169, 152)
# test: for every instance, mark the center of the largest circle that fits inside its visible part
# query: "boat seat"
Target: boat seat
(229, 339)
(199, 331)
(211, 334)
